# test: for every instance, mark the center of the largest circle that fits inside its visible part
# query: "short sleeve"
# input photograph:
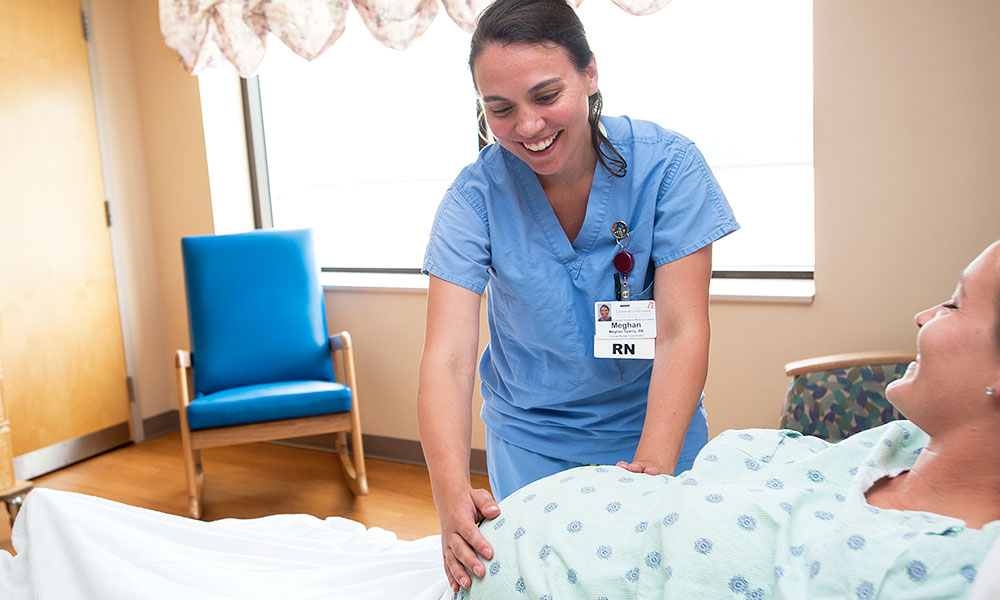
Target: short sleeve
(459, 247)
(691, 210)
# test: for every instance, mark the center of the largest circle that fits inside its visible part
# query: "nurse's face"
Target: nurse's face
(536, 105)
(959, 355)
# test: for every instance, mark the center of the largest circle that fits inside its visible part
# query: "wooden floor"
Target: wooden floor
(253, 480)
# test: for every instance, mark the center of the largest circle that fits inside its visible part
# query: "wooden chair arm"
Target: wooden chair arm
(851, 359)
(340, 341)
(182, 364)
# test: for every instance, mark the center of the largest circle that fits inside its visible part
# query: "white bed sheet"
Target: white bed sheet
(987, 585)
(75, 546)
(71, 546)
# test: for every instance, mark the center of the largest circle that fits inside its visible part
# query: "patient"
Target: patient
(910, 507)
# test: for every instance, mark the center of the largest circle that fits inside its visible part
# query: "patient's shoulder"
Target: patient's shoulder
(761, 444)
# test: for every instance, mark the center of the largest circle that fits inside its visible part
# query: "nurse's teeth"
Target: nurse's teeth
(542, 145)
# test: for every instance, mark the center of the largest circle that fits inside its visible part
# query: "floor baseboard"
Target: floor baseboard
(50, 458)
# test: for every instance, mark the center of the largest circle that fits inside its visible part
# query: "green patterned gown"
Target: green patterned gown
(762, 514)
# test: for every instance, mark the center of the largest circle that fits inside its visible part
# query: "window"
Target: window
(362, 143)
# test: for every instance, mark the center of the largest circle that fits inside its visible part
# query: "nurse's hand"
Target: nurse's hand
(461, 541)
(639, 466)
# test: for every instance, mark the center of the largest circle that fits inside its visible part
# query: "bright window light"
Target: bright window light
(363, 142)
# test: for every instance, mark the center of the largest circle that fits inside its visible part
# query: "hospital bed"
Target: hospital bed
(76, 546)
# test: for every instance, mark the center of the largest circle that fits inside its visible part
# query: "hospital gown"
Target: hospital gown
(762, 514)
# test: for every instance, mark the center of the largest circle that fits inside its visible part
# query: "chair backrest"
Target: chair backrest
(834, 397)
(255, 309)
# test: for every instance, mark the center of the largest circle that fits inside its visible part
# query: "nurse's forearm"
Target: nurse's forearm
(444, 390)
(680, 365)
(679, 372)
(444, 416)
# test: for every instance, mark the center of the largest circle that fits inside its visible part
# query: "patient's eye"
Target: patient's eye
(951, 305)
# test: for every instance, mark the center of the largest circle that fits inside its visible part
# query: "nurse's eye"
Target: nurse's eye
(499, 112)
(548, 98)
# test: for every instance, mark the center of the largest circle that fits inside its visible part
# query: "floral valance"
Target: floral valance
(203, 30)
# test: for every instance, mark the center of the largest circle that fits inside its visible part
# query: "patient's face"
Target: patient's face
(957, 346)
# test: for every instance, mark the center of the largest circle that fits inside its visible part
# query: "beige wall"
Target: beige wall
(176, 170)
(387, 329)
(158, 183)
(906, 134)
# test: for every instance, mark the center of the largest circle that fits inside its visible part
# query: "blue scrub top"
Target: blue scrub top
(543, 389)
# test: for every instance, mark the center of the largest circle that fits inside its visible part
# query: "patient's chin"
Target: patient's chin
(895, 390)
(898, 392)
(899, 387)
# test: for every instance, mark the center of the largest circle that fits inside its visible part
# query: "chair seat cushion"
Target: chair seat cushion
(268, 402)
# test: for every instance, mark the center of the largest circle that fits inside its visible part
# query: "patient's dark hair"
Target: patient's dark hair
(545, 22)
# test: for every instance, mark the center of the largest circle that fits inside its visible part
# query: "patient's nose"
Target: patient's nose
(921, 317)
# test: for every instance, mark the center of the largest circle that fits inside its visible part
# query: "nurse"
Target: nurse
(566, 212)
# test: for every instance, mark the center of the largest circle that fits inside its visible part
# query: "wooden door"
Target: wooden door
(60, 331)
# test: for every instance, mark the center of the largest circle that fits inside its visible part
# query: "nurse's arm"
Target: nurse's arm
(680, 365)
(444, 414)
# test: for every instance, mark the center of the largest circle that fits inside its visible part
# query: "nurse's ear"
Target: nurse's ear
(591, 73)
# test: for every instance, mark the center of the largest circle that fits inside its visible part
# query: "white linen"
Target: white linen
(75, 546)
(987, 585)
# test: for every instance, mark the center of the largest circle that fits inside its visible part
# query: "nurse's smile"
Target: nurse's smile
(543, 145)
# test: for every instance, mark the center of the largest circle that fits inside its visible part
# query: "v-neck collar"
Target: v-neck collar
(572, 255)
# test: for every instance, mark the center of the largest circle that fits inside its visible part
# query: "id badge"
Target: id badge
(625, 329)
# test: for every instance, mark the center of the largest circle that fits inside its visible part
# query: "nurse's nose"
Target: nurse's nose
(529, 124)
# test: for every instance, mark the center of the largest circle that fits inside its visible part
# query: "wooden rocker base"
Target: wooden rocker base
(352, 466)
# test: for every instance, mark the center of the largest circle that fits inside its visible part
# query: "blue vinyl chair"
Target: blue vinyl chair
(262, 364)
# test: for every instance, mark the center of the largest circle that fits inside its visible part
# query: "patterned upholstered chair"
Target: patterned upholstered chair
(833, 397)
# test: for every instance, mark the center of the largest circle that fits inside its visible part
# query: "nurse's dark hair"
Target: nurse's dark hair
(545, 22)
